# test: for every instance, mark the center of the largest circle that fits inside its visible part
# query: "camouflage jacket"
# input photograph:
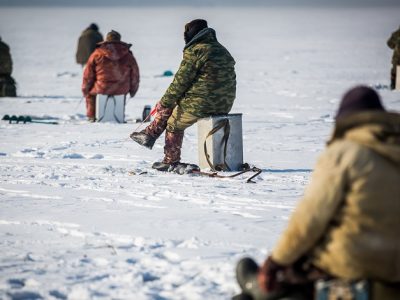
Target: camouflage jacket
(205, 83)
(5, 59)
(394, 43)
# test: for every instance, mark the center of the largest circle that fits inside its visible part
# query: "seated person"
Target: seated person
(347, 225)
(111, 70)
(204, 85)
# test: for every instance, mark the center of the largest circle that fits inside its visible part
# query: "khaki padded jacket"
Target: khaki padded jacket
(348, 221)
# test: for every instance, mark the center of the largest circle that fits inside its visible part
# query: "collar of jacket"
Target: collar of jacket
(384, 118)
(377, 130)
(200, 35)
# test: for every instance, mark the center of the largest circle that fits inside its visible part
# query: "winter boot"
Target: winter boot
(149, 135)
(162, 166)
(172, 151)
(143, 139)
(246, 274)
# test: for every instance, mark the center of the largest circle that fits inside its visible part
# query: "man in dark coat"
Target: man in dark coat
(110, 70)
(87, 43)
(394, 43)
(204, 85)
(7, 83)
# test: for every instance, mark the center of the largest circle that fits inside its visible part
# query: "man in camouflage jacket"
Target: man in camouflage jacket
(394, 43)
(204, 85)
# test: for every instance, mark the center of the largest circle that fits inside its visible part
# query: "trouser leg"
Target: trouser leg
(7, 86)
(393, 77)
(172, 148)
(176, 125)
(158, 125)
(91, 106)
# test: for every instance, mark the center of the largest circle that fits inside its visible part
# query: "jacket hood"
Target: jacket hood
(113, 50)
(206, 33)
(379, 131)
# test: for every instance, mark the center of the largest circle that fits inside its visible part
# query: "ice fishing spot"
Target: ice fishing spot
(73, 156)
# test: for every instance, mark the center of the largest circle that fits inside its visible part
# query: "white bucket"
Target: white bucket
(110, 108)
(215, 144)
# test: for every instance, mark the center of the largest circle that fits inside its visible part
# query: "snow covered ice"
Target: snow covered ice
(75, 225)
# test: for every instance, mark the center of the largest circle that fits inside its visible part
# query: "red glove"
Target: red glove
(267, 277)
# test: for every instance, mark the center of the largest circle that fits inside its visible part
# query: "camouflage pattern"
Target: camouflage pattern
(205, 83)
(172, 148)
(173, 139)
(5, 59)
(87, 44)
(180, 120)
(158, 125)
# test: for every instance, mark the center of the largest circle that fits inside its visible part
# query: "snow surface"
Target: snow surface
(75, 225)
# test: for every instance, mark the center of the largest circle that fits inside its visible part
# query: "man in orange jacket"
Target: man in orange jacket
(110, 70)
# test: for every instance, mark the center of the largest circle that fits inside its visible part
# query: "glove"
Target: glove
(158, 106)
(267, 277)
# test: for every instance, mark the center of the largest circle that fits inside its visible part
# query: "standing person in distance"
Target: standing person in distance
(87, 42)
(394, 43)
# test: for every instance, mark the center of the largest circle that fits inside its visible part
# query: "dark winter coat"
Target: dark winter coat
(111, 70)
(394, 43)
(348, 220)
(86, 45)
(205, 83)
(5, 59)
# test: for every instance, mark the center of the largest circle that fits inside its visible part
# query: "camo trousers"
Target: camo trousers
(174, 121)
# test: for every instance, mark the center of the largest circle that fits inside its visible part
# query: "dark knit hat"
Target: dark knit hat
(113, 36)
(93, 26)
(194, 27)
(359, 98)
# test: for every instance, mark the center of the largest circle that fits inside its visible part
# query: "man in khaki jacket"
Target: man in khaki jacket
(347, 226)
